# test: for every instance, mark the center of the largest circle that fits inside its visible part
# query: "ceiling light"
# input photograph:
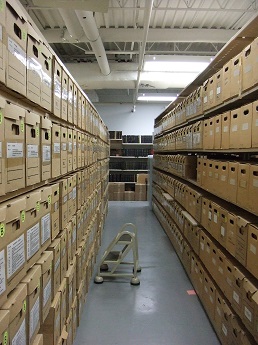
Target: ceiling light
(163, 63)
(156, 98)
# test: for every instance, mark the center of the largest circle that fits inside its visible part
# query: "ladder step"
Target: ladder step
(112, 256)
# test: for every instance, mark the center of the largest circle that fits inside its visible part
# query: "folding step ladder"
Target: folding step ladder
(122, 245)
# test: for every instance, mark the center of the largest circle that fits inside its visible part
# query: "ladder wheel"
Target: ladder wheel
(98, 280)
(135, 281)
(104, 267)
(139, 269)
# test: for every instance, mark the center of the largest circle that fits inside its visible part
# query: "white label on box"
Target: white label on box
(218, 90)
(223, 178)
(64, 147)
(236, 72)
(225, 129)
(218, 311)
(245, 127)
(46, 293)
(17, 51)
(34, 317)
(0, 149)
(255, 183)
(74, 192)
(217, 130)
(234, 128)
(45, 228)
(65, 199)
(222, 231)
(56, 148)
(1, 32)
(46, 153)
(211, 299)
(232, 181)
(70, 195)
(205, 99)
(57, 264)
(74, 146)
(20, 336)
(215, 218)
(2, 273)
(56, 206)
(32, 151)
(33, 243)
(224, 329)
(71, 292)
(211, 132)
(70, 147)
(15, 256)
(209, 215)
(221, 270)
(208, 250)
(256, 122)
(14, 150)
(253, 249)
(74, 235)
(214, 261)
(248, 314)
(236, 297)
(206, 289)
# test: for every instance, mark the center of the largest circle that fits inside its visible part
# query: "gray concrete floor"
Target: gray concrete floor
(158, 311)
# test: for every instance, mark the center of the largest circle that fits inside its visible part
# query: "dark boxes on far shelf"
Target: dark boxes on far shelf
(131, 139)
(145, 139)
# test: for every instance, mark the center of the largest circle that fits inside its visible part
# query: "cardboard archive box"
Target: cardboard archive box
(225, 130)
(2, 43)
(46, 58)
(56, 150)
(55, 247)
(2, 148)
(15, 149)
(16, 40)
(45, 262)
(63, 290)
(64, 145)
(32, 233)
(74, 193)
(32, 281)
(253, 189)
(79, 149)
(74, 309)
(56, 87)
(51, 328)
(55, 221)
(252, 249)
(75, 104)
(64, 99)
(45, 216)
(71, 285)
(32, 139)
(236, 75)
(70, 101)
(70, 150)
(34, 68)
(75, 153)
(17, 307)
(12, 245)
(84, 114)
(4, 326)
(79, 111)
(63, 253)
(46, 156)
(70, 197)
(63, 202)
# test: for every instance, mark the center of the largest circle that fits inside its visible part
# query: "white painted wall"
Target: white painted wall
(119, 117)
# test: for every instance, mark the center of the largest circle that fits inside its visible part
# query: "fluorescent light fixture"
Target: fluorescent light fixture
(176, 63)
(156, 98)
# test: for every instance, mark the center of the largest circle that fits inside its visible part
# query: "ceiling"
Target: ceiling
(103, 43)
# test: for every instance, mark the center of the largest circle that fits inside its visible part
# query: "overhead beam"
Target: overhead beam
(154, 35)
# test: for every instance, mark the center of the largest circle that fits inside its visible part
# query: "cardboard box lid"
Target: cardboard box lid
(46, 123)
(249, 288)
(56, 301)
(32, 279)
(46, 193)
(15, 208)
(55, 193)
(55, 245)
(70, 272)
(16, 9)
(16, 300)
(32, 200)
(62, 288)
(14, 112)
(32, 34)
(3, 209)
(32, 118)
(45, 261)
(2, 102)
(189, 218)
(4, 320)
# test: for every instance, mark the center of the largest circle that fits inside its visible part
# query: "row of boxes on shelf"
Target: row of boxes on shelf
(232, 129)
(29, 223)
(234, 229)
(233, 181)
(28, 67)
(53, 288)
(180, 165)
(34, 149)
(232, 80)
(227, 323)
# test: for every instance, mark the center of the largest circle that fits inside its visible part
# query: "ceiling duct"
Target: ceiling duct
(83, 5)
(89, 26)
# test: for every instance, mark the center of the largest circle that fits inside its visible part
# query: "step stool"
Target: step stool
(124, 243)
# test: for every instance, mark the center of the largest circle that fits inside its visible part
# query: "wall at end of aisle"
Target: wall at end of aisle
(120, 117)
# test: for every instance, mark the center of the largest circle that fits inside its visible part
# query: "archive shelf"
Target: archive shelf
(236, 243)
